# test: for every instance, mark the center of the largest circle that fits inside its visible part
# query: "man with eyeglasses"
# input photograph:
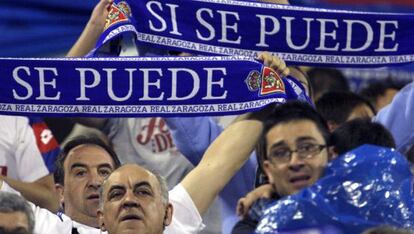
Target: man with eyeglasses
(292, 152)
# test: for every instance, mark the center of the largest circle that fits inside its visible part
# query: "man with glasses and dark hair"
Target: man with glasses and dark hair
(292, 152)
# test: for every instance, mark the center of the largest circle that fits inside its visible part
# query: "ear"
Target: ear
(168, 215)
(332, 154)
(101, 220)
(267, 168)
(59, 189)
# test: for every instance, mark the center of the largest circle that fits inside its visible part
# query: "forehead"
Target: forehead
(289, 132)
(130, 175)
(88, 155)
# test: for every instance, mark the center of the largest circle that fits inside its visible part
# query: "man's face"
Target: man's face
(86, 167)
(14, 222)
(132, 202)
(296, 173)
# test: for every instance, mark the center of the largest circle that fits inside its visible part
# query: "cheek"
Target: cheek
(318, 165)
(278, 173)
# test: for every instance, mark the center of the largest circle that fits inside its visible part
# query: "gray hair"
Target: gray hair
(163, 187)
(10, 202)
(161, 181)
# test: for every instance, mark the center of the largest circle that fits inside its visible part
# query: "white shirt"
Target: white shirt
(20, 157)
(186, 218)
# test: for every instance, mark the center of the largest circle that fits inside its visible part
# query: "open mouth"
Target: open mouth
(300, 181)
(131, 217)
(93, 197)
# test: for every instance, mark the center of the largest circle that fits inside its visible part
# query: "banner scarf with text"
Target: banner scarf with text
(138, 87)
(298, 35)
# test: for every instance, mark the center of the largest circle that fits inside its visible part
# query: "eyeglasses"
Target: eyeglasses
(304, 151)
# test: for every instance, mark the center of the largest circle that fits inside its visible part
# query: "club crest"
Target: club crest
(268, 82)
(253, 81)
(118, 13)
(271, 82)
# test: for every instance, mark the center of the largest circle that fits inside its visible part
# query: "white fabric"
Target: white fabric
(148, 142)
(18, 150)
(186, 218)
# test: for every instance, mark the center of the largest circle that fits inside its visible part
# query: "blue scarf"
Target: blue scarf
(138, 87)
(299, 35)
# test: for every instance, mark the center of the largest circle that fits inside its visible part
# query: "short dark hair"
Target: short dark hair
(10, 202)
(59, 174)
(327, 79)
(357, 132)
(289, 112)
(285, 113)
(337, 106)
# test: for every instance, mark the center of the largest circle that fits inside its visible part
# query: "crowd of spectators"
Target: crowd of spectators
(192, 175)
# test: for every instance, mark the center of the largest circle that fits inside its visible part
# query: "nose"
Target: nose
(95, 180)
(129, 200)
(296, 162)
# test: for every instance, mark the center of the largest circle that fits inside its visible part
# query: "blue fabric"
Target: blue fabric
(398, 118)
(347, 38)
(156, 86)
(364, 188)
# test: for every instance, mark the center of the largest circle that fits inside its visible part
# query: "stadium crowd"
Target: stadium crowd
(194, 175)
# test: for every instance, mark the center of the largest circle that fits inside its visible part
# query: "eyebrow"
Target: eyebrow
(278, 144)
(305, 138)
(298, 140)
(143, 184)
(105, 165)
(75, 165)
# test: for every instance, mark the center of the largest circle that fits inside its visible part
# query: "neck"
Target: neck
(83, 219)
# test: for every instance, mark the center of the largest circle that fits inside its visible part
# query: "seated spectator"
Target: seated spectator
(380, 93)
(16, 216)
(338, 107)
(325, 80)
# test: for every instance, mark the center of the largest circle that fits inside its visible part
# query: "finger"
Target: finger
(240, 207)
(281, 68)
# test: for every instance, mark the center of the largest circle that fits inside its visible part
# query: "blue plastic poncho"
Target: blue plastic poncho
(367, 187)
